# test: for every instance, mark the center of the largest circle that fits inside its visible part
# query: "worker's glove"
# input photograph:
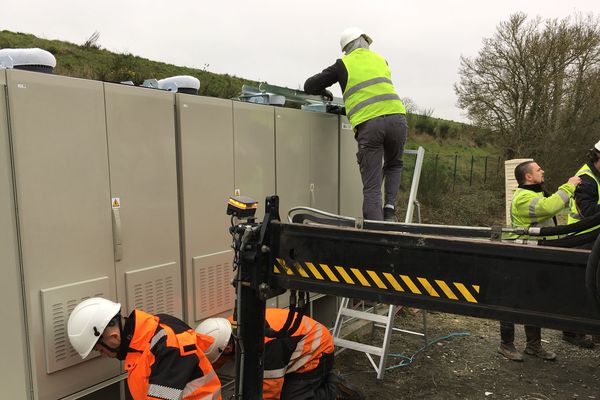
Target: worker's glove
(327, 95)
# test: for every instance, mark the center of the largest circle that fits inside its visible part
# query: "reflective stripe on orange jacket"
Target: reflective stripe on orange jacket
(299, 353)
(162, 364)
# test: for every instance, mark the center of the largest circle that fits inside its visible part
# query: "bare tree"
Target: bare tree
(92, 41)
(410, 105)
(535, 85)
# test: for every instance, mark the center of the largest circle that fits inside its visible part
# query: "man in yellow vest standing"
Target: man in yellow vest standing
(533, 206)
(376, 114)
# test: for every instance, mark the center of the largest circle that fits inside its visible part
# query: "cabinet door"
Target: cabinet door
(254, 151)
(143, 180)
(62, 188)
(292, 143)
(205, 129)
(324, 165)
(12, 337)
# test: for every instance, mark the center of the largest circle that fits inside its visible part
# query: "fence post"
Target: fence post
(485, 171)
(454, 176)
(498, 166)
(471, 173)
(435, 167)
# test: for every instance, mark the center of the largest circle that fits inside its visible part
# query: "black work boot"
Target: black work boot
(578, 339)
(345, 390)
(389, 214)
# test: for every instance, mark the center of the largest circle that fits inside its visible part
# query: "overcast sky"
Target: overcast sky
(284, 42)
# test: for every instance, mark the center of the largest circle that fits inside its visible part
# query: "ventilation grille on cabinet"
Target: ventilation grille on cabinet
(213, 292)
(155, 290)
(57, 305)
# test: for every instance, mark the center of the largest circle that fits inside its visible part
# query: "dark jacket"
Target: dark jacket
(337, 72)
(586, 194)
(164, 359)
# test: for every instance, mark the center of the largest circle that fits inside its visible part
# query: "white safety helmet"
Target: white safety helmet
(220, 330)
(597, 146)
(351, 34)
(87, 322)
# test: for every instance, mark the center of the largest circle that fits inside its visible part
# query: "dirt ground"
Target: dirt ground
(469, 367)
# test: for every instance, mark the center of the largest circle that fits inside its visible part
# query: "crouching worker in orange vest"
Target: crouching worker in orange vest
(163, 355)
(297, 367)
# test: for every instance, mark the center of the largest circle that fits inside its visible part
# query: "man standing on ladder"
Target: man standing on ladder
(377, 116)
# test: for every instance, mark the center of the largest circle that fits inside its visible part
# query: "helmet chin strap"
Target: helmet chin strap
(113, 349)
(119, 350)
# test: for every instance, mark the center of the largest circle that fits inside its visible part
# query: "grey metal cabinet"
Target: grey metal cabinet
(324, 161)
(205, 129)
(143, 184)
(64, 224)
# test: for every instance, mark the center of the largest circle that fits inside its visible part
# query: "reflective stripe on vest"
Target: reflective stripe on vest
(159, 335)
(364, 84)
(369, 91)
(198, 383)
(274, 373)
(316, 342)
(164, 392)
(564, 196)
(532, 210)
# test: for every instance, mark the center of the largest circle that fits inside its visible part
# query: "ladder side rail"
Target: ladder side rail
(414, 187)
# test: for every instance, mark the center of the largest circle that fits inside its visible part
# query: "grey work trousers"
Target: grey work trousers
(380, 139)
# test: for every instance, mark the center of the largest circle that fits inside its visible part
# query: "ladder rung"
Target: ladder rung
(383, 319)
(365, 348)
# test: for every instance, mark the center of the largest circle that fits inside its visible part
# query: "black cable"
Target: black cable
(592, 275)
(585, 240)
(300, 311)
(272, 333)
(580, 226)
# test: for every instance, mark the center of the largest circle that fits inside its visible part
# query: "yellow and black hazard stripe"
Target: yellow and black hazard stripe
(383, 280)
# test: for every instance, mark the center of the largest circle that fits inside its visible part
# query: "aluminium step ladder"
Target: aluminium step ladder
(345, 313)
(386, 321)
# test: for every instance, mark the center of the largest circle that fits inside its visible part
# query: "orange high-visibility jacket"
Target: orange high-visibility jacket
(165, 360)
(298, 353)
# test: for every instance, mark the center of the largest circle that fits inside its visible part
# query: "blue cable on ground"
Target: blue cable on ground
(408, 360)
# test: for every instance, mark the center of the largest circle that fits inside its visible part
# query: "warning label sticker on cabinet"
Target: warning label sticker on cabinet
(116, 202)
